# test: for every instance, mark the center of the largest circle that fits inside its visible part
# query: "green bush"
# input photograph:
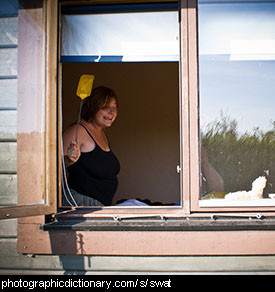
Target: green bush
(240, 159)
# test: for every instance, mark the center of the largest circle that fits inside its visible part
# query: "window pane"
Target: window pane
(237, 85)
(121, 37)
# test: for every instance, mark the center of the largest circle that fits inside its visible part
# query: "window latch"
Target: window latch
(249, 216)
(129, 217)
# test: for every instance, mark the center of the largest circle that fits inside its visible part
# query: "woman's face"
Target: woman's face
(107, 115)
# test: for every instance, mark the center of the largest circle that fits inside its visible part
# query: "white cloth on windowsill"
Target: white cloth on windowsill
(132, 202)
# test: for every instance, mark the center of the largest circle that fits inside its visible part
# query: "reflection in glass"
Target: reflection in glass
(237, 99)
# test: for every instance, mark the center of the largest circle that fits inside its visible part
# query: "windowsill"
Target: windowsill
(236, 203)
(161, 223)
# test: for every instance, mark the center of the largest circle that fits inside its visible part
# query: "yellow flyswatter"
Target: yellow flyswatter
(85, 86)
(84, 89)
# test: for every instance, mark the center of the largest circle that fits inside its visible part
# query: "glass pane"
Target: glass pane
(105, 37)
(237, 85)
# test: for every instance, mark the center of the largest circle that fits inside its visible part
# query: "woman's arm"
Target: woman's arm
(71, 148)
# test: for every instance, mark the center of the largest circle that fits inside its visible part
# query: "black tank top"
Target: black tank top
(95, 174)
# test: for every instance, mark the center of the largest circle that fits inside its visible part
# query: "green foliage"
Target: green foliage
(240, 159)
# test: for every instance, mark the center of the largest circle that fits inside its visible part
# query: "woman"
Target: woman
(92, 166)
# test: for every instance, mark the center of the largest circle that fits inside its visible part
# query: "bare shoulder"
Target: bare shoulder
(83, 138)
(70, 132)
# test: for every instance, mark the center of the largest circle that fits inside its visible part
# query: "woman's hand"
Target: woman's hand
(73, 153)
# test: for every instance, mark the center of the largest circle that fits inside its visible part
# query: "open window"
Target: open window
(35, 142)
(133, 49)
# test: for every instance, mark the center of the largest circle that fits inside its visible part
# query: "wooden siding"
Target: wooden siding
(130, 265)
(8, 114)
(8, 30)
(8, 133)
(8, 62)
(8, 189)
(8, 94)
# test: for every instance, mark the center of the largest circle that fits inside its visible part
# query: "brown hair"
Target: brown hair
(99, 98)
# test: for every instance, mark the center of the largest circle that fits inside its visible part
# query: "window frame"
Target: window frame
(189, 132)
(111, 210)
(195, 136)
